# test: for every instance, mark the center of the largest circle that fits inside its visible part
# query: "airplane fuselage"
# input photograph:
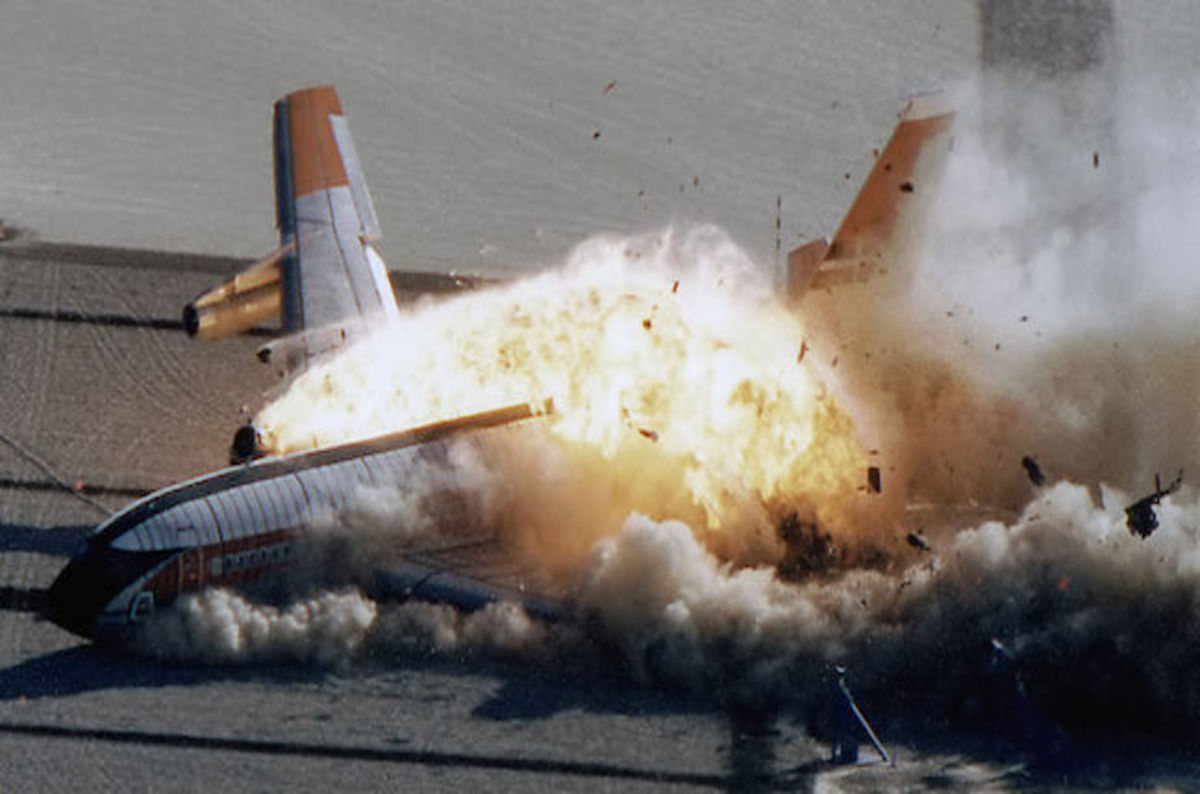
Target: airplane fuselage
(234, 526)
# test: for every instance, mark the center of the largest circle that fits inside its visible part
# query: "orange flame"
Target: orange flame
(670, 362)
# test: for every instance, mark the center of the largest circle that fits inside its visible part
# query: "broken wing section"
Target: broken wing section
(326, 280)
(859, 250)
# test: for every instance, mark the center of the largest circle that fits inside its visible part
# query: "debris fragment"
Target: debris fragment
(874, 479)
(907, 187)
(1140, 517)
(1033, 471)
(650, 434)
(807, 549)
(646, 324)
(849, 721)
(1095, 159)
(608, 89)
(917, 540)
(596, 135)
(674, 286)
(803, 351)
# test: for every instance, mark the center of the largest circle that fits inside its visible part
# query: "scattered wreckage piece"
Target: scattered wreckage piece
(917, 540)
(1140, 517)
(1033, 471)
(850, 724)
(807, 550)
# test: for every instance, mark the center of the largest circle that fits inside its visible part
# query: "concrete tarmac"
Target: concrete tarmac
(494, 138)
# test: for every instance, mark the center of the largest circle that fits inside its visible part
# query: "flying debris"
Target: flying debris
(874, 479)
(807, 548)
(917, 541)
(1033, 471)
(1140, 517)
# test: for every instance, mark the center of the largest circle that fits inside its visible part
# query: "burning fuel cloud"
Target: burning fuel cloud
(1044, 311)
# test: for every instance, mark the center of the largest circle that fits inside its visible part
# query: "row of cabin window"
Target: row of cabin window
(277, 503)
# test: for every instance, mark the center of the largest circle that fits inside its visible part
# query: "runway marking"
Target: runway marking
(379, 755)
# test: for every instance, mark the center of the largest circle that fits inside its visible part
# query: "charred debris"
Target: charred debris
(1140, 517)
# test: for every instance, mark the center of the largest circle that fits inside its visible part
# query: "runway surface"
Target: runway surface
(493, 140)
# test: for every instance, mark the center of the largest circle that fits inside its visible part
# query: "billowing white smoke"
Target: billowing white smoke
(1101, 622)
(221, 626)
(1047, 308)
(499, 629)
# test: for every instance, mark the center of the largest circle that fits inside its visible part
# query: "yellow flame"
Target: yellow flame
(668, 358)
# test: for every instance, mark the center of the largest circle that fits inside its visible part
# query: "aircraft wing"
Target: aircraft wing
(469, 574)
(326, 281)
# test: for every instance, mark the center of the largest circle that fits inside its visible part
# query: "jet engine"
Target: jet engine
(246, 446)
(240, 302)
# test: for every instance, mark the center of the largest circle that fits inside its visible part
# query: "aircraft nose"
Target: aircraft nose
(74, 599)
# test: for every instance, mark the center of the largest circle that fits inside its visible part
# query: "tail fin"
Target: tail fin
(860, 246)
(326, 282)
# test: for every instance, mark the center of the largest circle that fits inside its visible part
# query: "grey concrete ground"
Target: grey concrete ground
(494, 138)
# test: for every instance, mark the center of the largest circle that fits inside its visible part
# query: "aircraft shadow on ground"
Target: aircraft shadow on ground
(87, 668)
(52, 541)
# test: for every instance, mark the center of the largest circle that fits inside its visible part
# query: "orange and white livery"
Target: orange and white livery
(325, 280)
